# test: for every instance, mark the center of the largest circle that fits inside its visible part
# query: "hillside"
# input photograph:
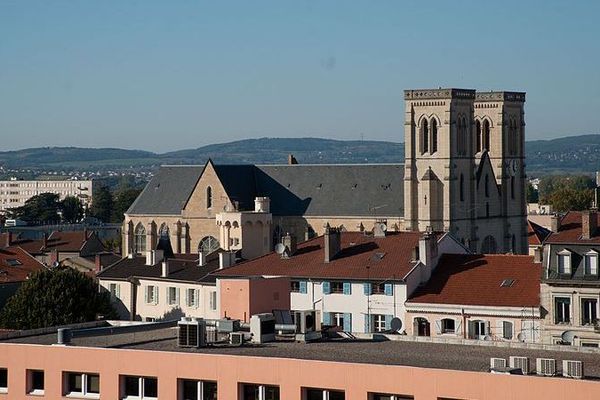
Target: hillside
(576, 154)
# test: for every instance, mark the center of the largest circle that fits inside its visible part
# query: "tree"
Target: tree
(532, 194)
(42, 208)
(569, 199)
(72, 210)
(54, 297)
(123, 201)
(102, 203)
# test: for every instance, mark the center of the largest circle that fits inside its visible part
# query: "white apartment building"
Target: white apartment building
(14, 193)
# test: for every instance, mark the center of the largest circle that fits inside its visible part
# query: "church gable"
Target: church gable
(209, 196)
(487, 191)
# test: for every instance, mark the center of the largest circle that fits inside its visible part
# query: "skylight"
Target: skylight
(13, 262)
(507, 283)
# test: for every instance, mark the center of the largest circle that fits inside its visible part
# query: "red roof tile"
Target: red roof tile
(388, 257)
(570, 230)
(16, 264)
(32, 246)
(476, 280)
(71, 241)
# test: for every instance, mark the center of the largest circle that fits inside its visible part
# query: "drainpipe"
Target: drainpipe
(464, 324)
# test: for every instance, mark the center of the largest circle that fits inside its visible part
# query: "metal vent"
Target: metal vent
(572, 369)
(545, 366)
(497, 363)
(519, 362)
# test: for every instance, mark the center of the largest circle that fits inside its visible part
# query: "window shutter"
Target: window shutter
(147, 294)
(347, 322)
(118, 291)
(326, 287)
(389, 289)
(438, 327)
(168, 297)
(347, 288)
(188, 300)
(367, 323)
(367, 289)
(177, 296)
(155, 294)
(196, 298)
(303, 288)
(326, 318)
(458, 327)
(471, 329)
(388, 322)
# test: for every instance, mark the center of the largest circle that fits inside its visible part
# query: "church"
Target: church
(463, 173)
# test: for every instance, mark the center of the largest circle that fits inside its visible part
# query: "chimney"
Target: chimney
(165, 269)
(292, 160)
(589, 224)
(289, 241)
(54, 257)
(554, 223)
(428, 250)
(333, 243)
(201, 259)
(98, 263)
(226, 259)
(45, 240)
(262, 204)
(537, 255)
(85, 233)
(379, 229)
(9, 238)
(154, 256)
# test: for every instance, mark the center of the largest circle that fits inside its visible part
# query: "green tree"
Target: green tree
(532, 194)
(56, 297)
(102, 204)
(72, 210)
(42, 208)
(123, 201)
(569, 199)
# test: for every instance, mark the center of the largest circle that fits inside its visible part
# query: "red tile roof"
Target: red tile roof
(476, 280)
(71, 241)
(16, 264)
(388, 257)
(536, 234)
(570, 230)
(32, 246)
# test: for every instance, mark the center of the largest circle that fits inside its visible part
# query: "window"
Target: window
(209, 197)
(337, 287)
(3, 380)
(208, 245)
(115, 290)
(589, 311)
(378, 288)
(564, 262)
(507, 330)
(380, 396)
(512, 187)
(324, 394)
(425, 136)
(151, 294)
(379, 323)
(434, 134)
(260, 392)
(139, 387)
(295, 286)
(478, 329)
(562, 310)
(486, 135)
(487, 185)
(192, 298)
(462, 187)
(173, 296)
(81, 384)
(197, 390)
(338, 319)
(140, 239)
(213, 301)
(478, 135)
(448, 325)
(35, 382)
(591, 263)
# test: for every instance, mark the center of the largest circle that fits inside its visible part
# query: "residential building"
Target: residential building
(14, 193)
(358, 282)
(16, 265)
(482, 297)
(570, 289)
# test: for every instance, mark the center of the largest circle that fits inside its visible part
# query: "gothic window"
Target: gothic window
(425, 136)
(478, 135)
(512, 187)
(459, 137)
(163, 232)
(209, 199)
(486, 184)
(486, 135)
(513, 244)
(462, 187)
(489, 245)
(139, 242)
(464, 141)
(434, 132)
(208, 244)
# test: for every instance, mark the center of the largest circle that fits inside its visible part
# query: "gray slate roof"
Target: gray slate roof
(295, 190)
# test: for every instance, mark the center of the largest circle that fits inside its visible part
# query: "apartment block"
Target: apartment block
(14, 193)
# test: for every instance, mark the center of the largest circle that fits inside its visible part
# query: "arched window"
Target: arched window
(459, 144)
(425, 136)
(512, 187)
(486, 135)
(163, 232)
(209, 198)
(486, 184)
(208, 244)
(462, 187)
(139, 242)
(421, 327)
(513, 244)
(434, 135)
(489, 245)
(478, 135)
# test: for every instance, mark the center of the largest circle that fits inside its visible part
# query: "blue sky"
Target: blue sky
(166, 75)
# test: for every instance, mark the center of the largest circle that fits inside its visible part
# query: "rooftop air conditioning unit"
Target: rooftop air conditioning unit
(545, 366)
(192, 332)
(496, 363)
(521, 363)
(572, 369)
(236, 338)
(262, 327)
(308, 325)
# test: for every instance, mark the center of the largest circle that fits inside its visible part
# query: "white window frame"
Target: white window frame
(592, 267)
(193, 300)
(443, 331)
(261, 389)
(581, 300)
(151, 299)
(379, 323)
(200, 384)
(391, 396)
(84, 394)
(141, 380)
(336, 318)
(213, 300)
(563, 262)
(115, 290)
(173, 298)
(570, 308)
(325, 392)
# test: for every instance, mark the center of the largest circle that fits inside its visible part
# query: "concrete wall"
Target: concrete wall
(291, 375)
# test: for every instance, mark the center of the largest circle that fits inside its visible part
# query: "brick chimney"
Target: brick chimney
(45, 240)
(555, 223)
(292, 160)
(98, 263)
(9, 239)
(589, 224)
(54, 257)
(332, 242)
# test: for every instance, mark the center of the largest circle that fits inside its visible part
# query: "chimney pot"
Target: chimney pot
(165, 269)
(292, 160)
(201, 259)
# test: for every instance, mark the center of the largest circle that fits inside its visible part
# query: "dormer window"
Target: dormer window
(564, 262)
(591, 263)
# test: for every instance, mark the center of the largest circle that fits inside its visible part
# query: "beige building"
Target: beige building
(14, 193)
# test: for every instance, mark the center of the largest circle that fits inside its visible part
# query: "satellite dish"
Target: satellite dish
(279, 248)
(521, 337)
(568, 336)
(396, 324)
(55, 264)
(383, 227)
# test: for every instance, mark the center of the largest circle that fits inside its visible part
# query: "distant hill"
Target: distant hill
(580, 154)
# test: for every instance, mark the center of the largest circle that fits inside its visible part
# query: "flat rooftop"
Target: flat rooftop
(405, 353)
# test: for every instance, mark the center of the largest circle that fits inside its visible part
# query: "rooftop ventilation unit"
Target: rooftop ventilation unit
(262, 327)
(545, 366)
(572, 369)
(521, 363)
(496, 363)
(192, 332)
(308, 325)
(236, 338)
